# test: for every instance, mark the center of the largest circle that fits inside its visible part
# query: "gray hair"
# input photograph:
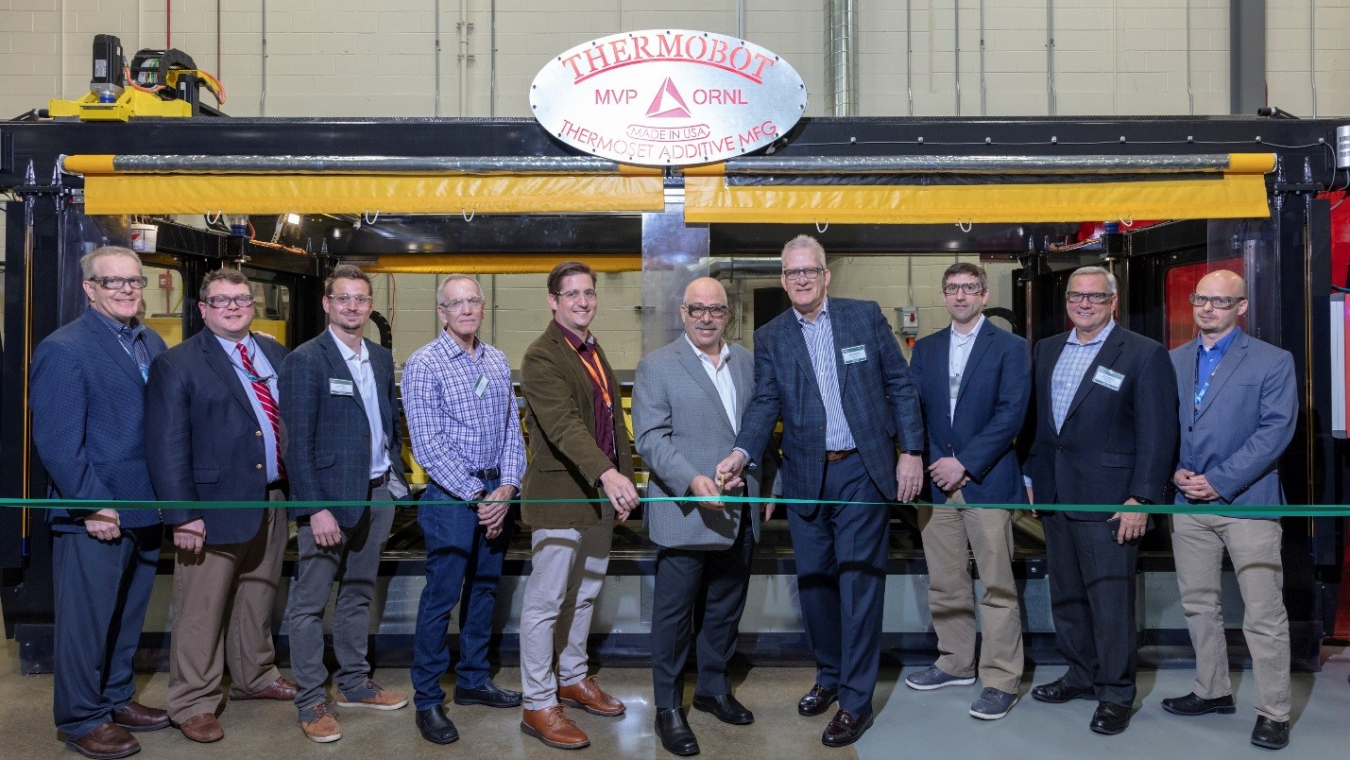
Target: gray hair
(88, 260)
(805, 243)
(452, 278)
(1110, 278)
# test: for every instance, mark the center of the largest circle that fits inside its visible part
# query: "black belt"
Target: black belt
(490, 473)
(377, 482)
(835, 456)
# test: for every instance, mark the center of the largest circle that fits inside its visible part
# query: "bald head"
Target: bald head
(704, 312)
(1230, 282)
(1220, 300)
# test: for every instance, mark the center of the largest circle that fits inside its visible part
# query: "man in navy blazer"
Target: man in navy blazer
(213, 431)
(1238, 406)
(344, 443)
(88, 399)
(1106, 433)
(975, 382)
(832, 371)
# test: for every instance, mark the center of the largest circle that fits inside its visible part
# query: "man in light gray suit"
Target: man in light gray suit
(1238, 406)
(687, 403)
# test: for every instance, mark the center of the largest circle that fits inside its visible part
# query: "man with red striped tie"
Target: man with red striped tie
(213, 433)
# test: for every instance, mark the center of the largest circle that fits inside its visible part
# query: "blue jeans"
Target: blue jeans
(457, 550)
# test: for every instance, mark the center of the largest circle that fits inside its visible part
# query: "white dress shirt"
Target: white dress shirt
(358, 363)
(957, 357)
(720, 375)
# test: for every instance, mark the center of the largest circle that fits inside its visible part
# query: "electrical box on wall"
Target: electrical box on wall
(909, 321)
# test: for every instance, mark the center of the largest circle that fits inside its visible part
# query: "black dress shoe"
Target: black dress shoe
(1059, 690)
(489, 694)
(1193, 705)
(1110, 718)
(676, 735)
(435, 726)
(845, 728)
(725, 708)
(1271, 734)
(817, 701)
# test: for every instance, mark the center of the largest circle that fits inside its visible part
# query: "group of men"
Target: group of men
(229, 416)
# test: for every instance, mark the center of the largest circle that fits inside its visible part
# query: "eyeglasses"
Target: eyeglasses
(459, 304)
(1097, 297)
(810, 274)
(1218, 302)
(969, 288)
(573, 295)
(697, 310)
(347, 298)
(117, 283)
(223, 302)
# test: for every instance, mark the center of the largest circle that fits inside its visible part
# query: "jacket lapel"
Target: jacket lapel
(836, 331)
(340, 368)
(1104, 358)
(382, 381)
(1227, 366)
(694, 366)
(796, 341)
(109, 342)
(220, 362)
(977, 352)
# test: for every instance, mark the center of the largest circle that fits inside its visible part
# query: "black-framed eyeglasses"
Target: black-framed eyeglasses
(808, 273)
(1095, 297)
(969, 288)
(223, 302)
(698, 310)
(1218, 302)
(458, 304)
(347, 298)
(572, 295)
(117, 283)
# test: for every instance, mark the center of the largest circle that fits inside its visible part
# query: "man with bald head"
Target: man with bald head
(687, 404)
(1238, 404)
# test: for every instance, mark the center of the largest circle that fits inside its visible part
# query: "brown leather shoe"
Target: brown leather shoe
(318, 723)
(105, 742)
(845, 729)
(282, 690)
(137, 717)
(202, 728)
(587, 695)
(552, 727)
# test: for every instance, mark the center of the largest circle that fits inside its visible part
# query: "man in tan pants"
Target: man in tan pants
(975, 382)
(1238, 406)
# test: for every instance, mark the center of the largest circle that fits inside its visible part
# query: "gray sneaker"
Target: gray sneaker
(933, 678)
(992, 704)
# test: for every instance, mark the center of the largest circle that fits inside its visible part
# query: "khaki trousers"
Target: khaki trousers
(555, 615)
(1198, 543)
(241, 579)
(947, 532)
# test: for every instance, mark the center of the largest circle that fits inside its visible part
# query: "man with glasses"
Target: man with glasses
(578, 450)
(1238, 405)
(832, 371)
(344, 444)
(465, 431)
(687, 403)
(1105, 434)
(87, 397)
(214, 433)
(975, 383)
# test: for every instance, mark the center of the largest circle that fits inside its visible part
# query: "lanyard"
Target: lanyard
(598, 376)
(1201, 390)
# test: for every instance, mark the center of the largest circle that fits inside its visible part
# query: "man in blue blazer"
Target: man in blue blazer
(832, 371)
(344, 443)
(1238, 405)
(1106, 433)
(213, 431)
(88, 399)
(975, 383)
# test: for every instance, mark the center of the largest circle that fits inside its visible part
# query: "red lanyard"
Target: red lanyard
(598, 376)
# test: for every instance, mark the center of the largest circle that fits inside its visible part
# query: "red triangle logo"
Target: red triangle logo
(675, 108)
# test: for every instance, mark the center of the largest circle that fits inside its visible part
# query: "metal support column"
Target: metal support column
(673, 255)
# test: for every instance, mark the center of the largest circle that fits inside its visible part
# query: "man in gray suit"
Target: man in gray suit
(1238, 406)
(686, 411)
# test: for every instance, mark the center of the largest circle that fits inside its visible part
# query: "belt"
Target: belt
(488, 473)
(377, 482)
(835, 456)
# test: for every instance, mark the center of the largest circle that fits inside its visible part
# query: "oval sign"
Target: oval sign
(668, 97)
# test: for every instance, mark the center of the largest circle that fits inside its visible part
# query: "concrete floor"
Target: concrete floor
(909, 723)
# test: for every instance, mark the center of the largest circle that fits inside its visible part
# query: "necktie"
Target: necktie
(268, 403)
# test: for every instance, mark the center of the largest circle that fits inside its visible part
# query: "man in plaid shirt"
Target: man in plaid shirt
(465, 431)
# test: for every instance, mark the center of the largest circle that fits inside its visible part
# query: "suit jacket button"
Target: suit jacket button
(1189, 429)
(257, 433)
(257, 467)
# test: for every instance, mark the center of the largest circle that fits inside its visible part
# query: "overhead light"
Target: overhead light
(292, 218)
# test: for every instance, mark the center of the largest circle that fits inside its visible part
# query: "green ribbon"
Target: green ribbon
(1236, 510)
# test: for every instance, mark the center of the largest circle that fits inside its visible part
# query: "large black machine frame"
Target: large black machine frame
(42, 279)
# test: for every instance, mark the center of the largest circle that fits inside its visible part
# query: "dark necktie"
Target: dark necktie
(269, 404)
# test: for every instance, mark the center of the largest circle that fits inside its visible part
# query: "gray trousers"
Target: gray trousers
(353, 564)
(1198, 543)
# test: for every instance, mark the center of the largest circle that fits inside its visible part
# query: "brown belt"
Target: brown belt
(377, 482)
(835, 456)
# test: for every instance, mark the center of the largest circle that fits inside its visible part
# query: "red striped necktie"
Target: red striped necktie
(268, 403)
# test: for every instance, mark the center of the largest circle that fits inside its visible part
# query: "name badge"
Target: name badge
(1108, 378)
(855, 354)
(338, 387)
(480, 387)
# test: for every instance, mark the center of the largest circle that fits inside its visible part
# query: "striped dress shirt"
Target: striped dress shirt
(1073, 363)
(820, 345)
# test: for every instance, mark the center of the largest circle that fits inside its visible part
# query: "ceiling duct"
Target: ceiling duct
(841, 75)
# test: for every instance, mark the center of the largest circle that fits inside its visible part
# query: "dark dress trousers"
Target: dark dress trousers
(840, 549)
(1114, 444)
(88, 399)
